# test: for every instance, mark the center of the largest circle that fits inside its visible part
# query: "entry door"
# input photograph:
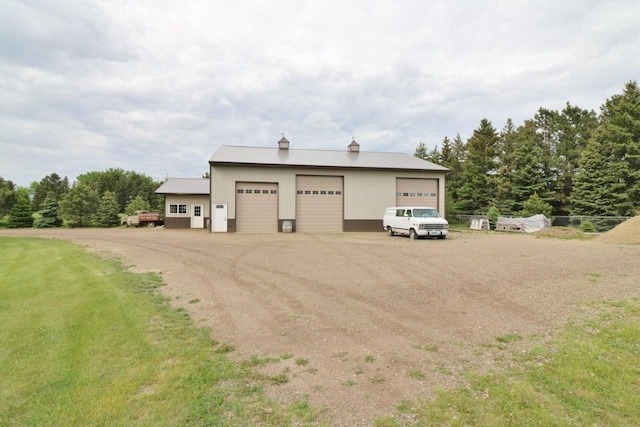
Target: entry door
(219, 214)
(197, 216)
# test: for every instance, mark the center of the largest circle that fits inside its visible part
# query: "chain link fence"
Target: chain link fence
(601, 223)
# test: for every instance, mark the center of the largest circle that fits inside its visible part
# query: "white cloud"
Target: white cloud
(157, 86)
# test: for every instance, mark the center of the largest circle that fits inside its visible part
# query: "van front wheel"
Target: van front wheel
(412, 234)
(389, 231)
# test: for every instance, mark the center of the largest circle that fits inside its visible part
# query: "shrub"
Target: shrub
(588, 227)
(492, 214)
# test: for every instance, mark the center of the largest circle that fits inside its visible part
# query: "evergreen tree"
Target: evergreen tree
(421, 151)
(565, 135)
(21, 213)
(597, 190)
(620, 117)
(79, 206)
(125, 186)
(527, 177)
(478, 190)
(535, 205)
(48, 213)
(137, 204)
(455, 164)
(108, 214)
(506, 151)
(7, 196)
(50, 183)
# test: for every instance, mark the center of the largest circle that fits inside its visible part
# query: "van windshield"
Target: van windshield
(426, 213)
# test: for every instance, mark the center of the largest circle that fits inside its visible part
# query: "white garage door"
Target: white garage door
(256, 207)
(417, 192)
(319, 204)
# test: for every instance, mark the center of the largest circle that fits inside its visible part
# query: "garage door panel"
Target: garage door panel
(256, 207)
(319, 204)
(417, 192)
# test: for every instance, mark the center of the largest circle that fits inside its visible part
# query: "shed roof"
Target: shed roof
(231, 154)
(184, 186)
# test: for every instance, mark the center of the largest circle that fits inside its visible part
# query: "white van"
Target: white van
(415, 222)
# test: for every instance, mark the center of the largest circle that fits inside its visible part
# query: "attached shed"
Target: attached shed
(186, 202)
(257, 189)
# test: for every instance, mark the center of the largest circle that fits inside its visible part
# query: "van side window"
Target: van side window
(400, 212)
(409, 213)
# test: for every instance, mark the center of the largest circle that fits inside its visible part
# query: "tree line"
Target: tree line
(569, 162)
(94, 199)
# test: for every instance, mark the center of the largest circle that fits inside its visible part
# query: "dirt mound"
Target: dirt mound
(627, 232)
(560, 233)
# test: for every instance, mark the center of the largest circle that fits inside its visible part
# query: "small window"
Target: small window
(400, 212)
(315, 191)
(307, 191)
(256, 191)
(412, 194)
(419, 194)
(274, 191)
(177, 209)
(433, 194)
(323, 192)
(249, 191)
(240, 191)
(338, 192)
(398, 194)
(265, 191)
(330, 193)
(405, 194)
(299, 192)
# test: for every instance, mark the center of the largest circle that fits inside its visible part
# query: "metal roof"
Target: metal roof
(184, 186)
(230, 154)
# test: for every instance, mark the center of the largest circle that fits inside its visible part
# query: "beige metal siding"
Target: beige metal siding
(417, 192)
(186, 199)
(257, 207)
(319, 204)
(366, 192)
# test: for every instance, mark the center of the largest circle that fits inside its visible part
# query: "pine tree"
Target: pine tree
(108, 211)
(597, 190)
(478, 190)
(421, 151)
(50, 183)
(564, 135)
(506, 165)
(137, 204)
(621, 128)
(21, 214)
(527, 177)
(535, 205)
(79, 206)
(48, 213)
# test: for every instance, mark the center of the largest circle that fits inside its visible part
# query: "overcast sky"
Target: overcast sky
(157, 86)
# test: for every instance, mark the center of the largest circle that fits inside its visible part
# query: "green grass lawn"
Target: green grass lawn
(85, 342)
(588, 376)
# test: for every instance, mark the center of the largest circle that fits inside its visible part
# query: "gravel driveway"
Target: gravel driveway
(367, 320)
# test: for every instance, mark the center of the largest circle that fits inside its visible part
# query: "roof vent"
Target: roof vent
(354, 147)
(283, 144)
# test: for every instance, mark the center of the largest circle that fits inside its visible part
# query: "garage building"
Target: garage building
(260, 189)
(186, 202)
